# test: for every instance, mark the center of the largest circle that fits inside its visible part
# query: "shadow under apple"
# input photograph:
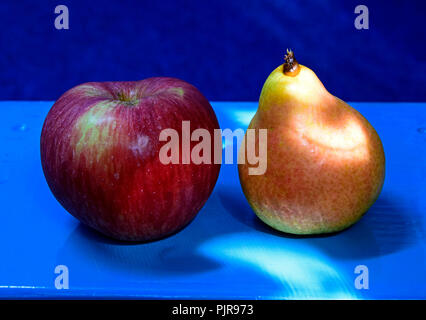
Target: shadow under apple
(177, 255)
(168, 256)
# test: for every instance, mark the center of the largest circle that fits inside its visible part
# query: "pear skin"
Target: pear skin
(325, 161)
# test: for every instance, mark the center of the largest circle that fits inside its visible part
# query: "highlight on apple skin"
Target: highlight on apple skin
(326, 163)
(100, 156)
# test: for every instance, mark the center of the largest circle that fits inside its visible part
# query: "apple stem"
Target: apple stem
(291, 66)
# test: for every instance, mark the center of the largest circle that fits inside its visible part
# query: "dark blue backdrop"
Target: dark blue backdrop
(226, 48)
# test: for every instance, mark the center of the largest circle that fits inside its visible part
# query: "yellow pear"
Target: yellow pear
(325, 162)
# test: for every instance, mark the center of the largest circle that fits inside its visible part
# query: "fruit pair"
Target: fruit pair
(100, 152)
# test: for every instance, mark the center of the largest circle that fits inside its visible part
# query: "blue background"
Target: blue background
(225, 48)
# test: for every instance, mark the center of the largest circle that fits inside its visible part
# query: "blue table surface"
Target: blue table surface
(226, 252)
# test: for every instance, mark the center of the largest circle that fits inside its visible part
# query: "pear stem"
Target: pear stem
(290, 67)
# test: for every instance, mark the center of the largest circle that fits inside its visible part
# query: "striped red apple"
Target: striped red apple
(100, 155)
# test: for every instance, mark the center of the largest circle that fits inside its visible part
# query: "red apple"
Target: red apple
(100, 156)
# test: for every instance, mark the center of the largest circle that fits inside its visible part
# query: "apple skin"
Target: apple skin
(100, 156)
(325, 161)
